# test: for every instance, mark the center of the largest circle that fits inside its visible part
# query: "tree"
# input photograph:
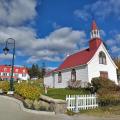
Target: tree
(43, 70)
(117, 62)
(34, 71)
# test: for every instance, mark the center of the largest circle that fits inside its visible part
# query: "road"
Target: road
(10, 110)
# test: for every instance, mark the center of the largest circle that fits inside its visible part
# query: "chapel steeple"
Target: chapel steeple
(95, 33)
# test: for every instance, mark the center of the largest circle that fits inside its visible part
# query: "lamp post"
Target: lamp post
(6, 50)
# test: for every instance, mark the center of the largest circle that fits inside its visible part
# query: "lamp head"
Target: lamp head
(6, 50)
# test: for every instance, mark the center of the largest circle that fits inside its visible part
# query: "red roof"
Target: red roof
(19, 70)
(77, 59)
(81, 57)
(94, 26)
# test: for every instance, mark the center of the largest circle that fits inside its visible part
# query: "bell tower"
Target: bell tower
(95, 33)
(95, 37)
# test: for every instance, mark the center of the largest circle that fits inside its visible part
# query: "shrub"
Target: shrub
(108, 92)
(4, 85)
(104, 84)
(74, 84)
(110, 98)
(27, 91)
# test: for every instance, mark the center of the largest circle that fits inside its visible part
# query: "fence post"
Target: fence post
(76, 103)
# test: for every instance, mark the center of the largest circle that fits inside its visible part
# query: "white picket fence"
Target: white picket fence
(81, 102)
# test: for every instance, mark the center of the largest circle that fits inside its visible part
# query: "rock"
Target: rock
(44, 105)
(28, 103)
(36, 105)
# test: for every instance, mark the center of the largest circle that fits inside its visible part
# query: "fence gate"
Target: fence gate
(81, 102)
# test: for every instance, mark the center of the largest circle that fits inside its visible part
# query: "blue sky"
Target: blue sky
(48, 30)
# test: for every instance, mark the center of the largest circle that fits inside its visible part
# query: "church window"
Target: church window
(103, 74)
(102, 58)
(73, 75)
(59, 77)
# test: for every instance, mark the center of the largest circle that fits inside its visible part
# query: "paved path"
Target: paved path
(10, 110)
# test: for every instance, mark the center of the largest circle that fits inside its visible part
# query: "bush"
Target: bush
(74, 84)
(108, 92)
(27, 91)
(4, 85)
(110, 98)
(104, 84)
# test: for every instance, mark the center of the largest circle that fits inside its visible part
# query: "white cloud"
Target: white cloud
(114, 44)
(102, 33)
(115, 49)
(51, 68)
(50, 48)
(55, 25)
(110, 42)
(100, 9)
(32, 60)
(4, 57)
(81, 14)
(15, 12)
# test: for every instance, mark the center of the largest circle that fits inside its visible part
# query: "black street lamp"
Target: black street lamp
(6, 50)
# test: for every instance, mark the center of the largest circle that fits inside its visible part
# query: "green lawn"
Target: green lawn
(60, 93)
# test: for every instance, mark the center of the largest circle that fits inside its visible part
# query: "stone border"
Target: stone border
(25, 109)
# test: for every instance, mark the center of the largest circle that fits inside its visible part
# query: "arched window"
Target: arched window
(102, 58)
(59, 77)
(73, 75)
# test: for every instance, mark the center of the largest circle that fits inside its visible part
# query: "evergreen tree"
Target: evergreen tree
(43, 71)
(34, 71)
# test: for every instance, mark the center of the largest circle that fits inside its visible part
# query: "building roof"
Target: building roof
(79, 58)
(7, 68)
(94, 26)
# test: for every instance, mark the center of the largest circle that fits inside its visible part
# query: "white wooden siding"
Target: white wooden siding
(81, 74)
(66, 76)
(48, 81)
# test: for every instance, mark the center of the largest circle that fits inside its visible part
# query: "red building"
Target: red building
(20, 72)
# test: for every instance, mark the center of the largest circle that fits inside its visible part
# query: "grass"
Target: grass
(103, 111)
(60, 93)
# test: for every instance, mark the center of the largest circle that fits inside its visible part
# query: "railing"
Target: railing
(76, 103)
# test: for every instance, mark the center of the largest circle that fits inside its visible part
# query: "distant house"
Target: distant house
(94, 61)
(20, 72)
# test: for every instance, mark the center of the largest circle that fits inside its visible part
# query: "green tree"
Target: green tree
(117, 62)
(37, 72)
(34, 71)
(43, 70)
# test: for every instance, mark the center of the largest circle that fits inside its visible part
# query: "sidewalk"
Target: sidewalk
(10, 110)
